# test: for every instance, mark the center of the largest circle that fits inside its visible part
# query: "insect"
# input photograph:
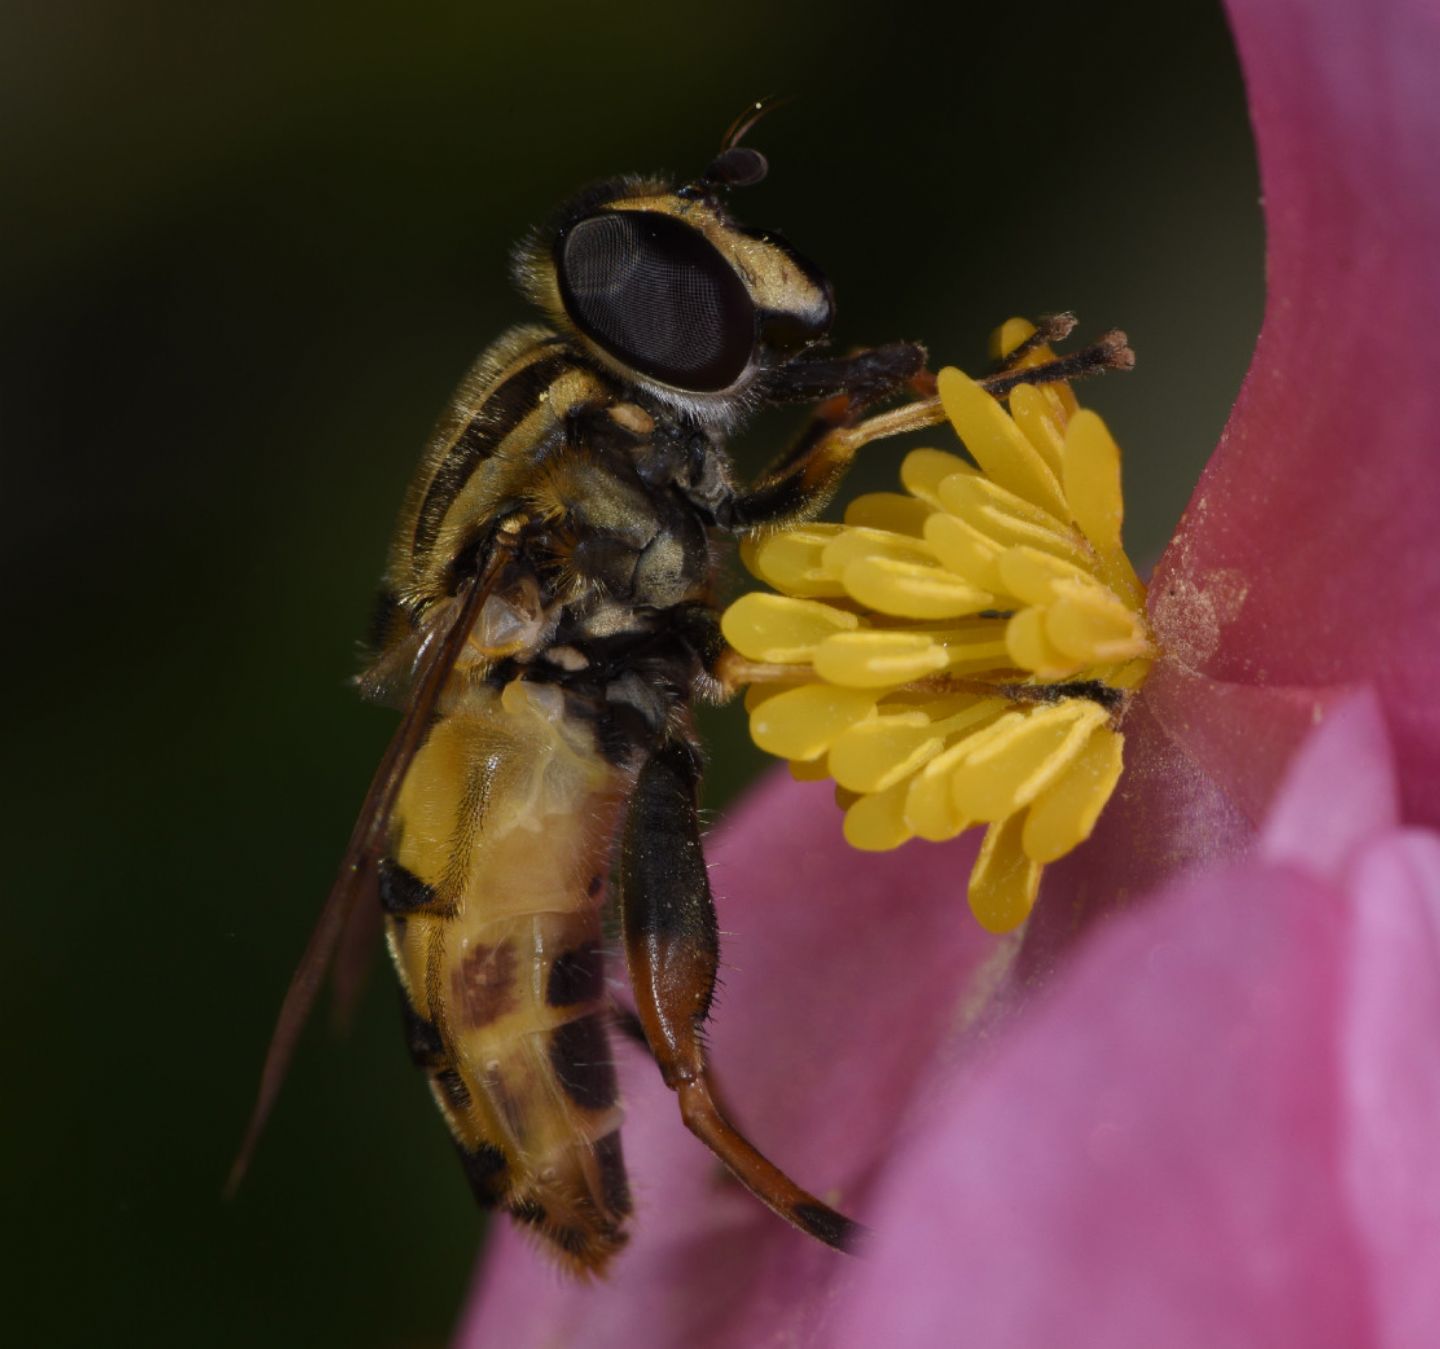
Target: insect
(546, 619)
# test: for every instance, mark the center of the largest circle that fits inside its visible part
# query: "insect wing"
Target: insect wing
(354, 962)
(358, 869)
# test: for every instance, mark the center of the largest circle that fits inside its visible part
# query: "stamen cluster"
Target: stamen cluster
(961, 653)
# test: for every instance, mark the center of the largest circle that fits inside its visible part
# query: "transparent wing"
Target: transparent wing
(439, 651)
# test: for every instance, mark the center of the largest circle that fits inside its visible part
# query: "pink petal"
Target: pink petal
(1390, 1066)
(842, 982)
(1339, 793)
(1310, 554)
(1226, 1099)
(1243, 736)
(1203, 760)
(1218, 1127)
(1146, 1162)
(1169, 814)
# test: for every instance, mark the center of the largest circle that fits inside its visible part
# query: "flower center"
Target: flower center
(961, 653)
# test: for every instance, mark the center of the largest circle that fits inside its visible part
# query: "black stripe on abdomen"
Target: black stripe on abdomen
(578, 975)
(401, 890)
(507, 405)
(580, 1057)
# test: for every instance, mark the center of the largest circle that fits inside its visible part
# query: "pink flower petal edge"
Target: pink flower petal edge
(1310, 553)
(1340, 791)
(1390, 1074)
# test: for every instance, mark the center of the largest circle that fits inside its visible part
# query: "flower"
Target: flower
(963, 653)
(1219, 1128)
(1208, 1119)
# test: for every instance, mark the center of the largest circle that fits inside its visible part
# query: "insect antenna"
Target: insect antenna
(741, 165)
(741, 126)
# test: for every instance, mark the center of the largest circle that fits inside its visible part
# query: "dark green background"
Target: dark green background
(246, 255)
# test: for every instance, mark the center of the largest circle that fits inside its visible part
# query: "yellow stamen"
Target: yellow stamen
(1090, 470)
(930, 808)
(876, 823)
(854, 544)
(1030, 647)
(1042, 424)
(912, 589)
(874, 755)
(1065, 813)
(1004, 882)
(889, 510)
(934, 697)
(877, 659)
(965, 550)
(922, 472)
(801, 723)
(792, 560)
(776, 628)
(1010, 769)
(1005, 520)
(999, 446)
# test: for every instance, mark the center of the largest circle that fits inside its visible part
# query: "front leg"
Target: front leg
(798, 484)
(801, 482)
(672, 946)
(864, 377)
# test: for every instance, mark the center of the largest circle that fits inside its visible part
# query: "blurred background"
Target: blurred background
(249, 249)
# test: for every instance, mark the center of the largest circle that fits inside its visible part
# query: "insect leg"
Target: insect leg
(629, 1025)
(802, 480)
(672, 946)
(1049, 329)
(862, 377)
(1111, 351)
(800, 484)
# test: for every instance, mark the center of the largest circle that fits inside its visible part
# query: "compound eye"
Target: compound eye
(657, 296)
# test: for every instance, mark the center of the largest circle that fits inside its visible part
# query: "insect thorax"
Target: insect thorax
(601, 490)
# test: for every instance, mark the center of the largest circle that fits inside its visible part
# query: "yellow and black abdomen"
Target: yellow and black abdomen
(499, 850)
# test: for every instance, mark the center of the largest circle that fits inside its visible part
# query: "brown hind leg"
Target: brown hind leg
(672, 946)
(630, 1025)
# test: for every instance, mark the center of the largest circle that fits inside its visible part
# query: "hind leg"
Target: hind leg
(672, 946)
(628, 1024)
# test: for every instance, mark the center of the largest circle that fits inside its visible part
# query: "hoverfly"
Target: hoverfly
(547, 616)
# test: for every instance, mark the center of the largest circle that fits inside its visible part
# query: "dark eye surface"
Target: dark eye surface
(656, 295)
